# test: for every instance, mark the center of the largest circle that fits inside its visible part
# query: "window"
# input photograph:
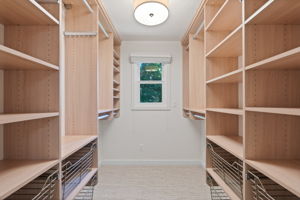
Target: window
(150, 85)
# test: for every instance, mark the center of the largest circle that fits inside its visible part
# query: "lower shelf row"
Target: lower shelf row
(227, 174)
(78, 177)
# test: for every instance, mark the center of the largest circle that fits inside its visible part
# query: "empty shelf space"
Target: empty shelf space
(14, 174)
(286, 60)
(27, 12)
(231, 46)
(277, 12)
(232, 111)
(283, 111)
(222, 184)
(231, 77)
(228, 17)
(83, 183)
(71, 144)
(285, 172)
(11, 118)
(232, 144)
(12, 59)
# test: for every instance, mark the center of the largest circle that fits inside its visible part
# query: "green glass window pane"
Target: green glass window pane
(151, 72)
(151, 93)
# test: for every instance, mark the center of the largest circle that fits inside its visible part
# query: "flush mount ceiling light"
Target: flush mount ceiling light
(151, 12)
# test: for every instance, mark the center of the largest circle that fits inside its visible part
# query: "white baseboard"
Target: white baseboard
(152, 162)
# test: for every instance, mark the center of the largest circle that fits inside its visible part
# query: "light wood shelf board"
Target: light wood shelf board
(116, 70)
(283, 111)
(277, 12)
(228, 17)
(71, 144)
(12, 59)
(231, 46)
(104, 111)
(232, 111)
(116, 63)
(222, 184)
(14, 174)
(232, 144)
(116, 82)
(116, 55)
(287, 60)
(231, 77)
(27, 12)
(200, 111)
(116, 90)
(83, 183)
(12, 118)
(284, 172)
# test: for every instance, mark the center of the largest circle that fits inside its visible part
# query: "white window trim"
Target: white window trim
(136, 105)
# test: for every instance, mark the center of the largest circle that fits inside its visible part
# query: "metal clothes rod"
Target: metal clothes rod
(88, 6)
(103, 30)
(198, 30)
(199, 116)
(103, 117)
(80, 33)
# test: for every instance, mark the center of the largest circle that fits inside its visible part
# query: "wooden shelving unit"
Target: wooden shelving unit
(193, 65)
(30, 63)
(52, 92)
(252, 110)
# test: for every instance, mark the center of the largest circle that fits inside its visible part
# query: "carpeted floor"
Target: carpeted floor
(151, 183)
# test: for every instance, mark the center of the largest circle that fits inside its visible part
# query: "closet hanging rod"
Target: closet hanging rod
(198, 30)
(199, 116)
(80, 33)
(87, 6)
(103, 116)
(103, 30)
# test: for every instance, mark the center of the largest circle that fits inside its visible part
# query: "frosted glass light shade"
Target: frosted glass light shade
(150, 12)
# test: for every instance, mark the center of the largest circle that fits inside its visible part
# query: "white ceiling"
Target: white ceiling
(181, 15)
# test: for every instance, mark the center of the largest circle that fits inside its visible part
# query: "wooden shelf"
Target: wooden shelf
(116, 90)
(232, 144)
(116, 55)
(71, 144)
(287, 60)
(231, 46)
(116, 97)
(284, 172)
(202, 111)
(222, 184)
(11, 118)
(12, 59)
(283, 111)
(116, 63)
(14, 174)
(232, 111)
(228, 17)
(277, 12)
(116, 82)
(27, 12)
(100, 112)
(116, 70)
(83, 183)
(231, 77)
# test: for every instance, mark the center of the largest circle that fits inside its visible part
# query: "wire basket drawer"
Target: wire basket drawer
(216, 192)
(76, 167)
(88, 191)
(264, 188)
(228, 167)
(41, 188)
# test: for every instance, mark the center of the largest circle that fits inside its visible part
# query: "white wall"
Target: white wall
(152, 137)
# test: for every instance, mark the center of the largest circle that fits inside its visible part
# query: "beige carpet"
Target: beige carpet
(151, 183)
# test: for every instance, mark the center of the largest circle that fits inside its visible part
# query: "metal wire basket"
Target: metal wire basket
(216, 192)
(41, 188)
(228, 167)
(76, 167)
(264, 188)
(88, 191)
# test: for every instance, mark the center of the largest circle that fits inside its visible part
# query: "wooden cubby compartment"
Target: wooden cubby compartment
(226, 130)
(272, 147)
(227, 18)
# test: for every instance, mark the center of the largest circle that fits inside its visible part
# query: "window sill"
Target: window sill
(151, 109)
